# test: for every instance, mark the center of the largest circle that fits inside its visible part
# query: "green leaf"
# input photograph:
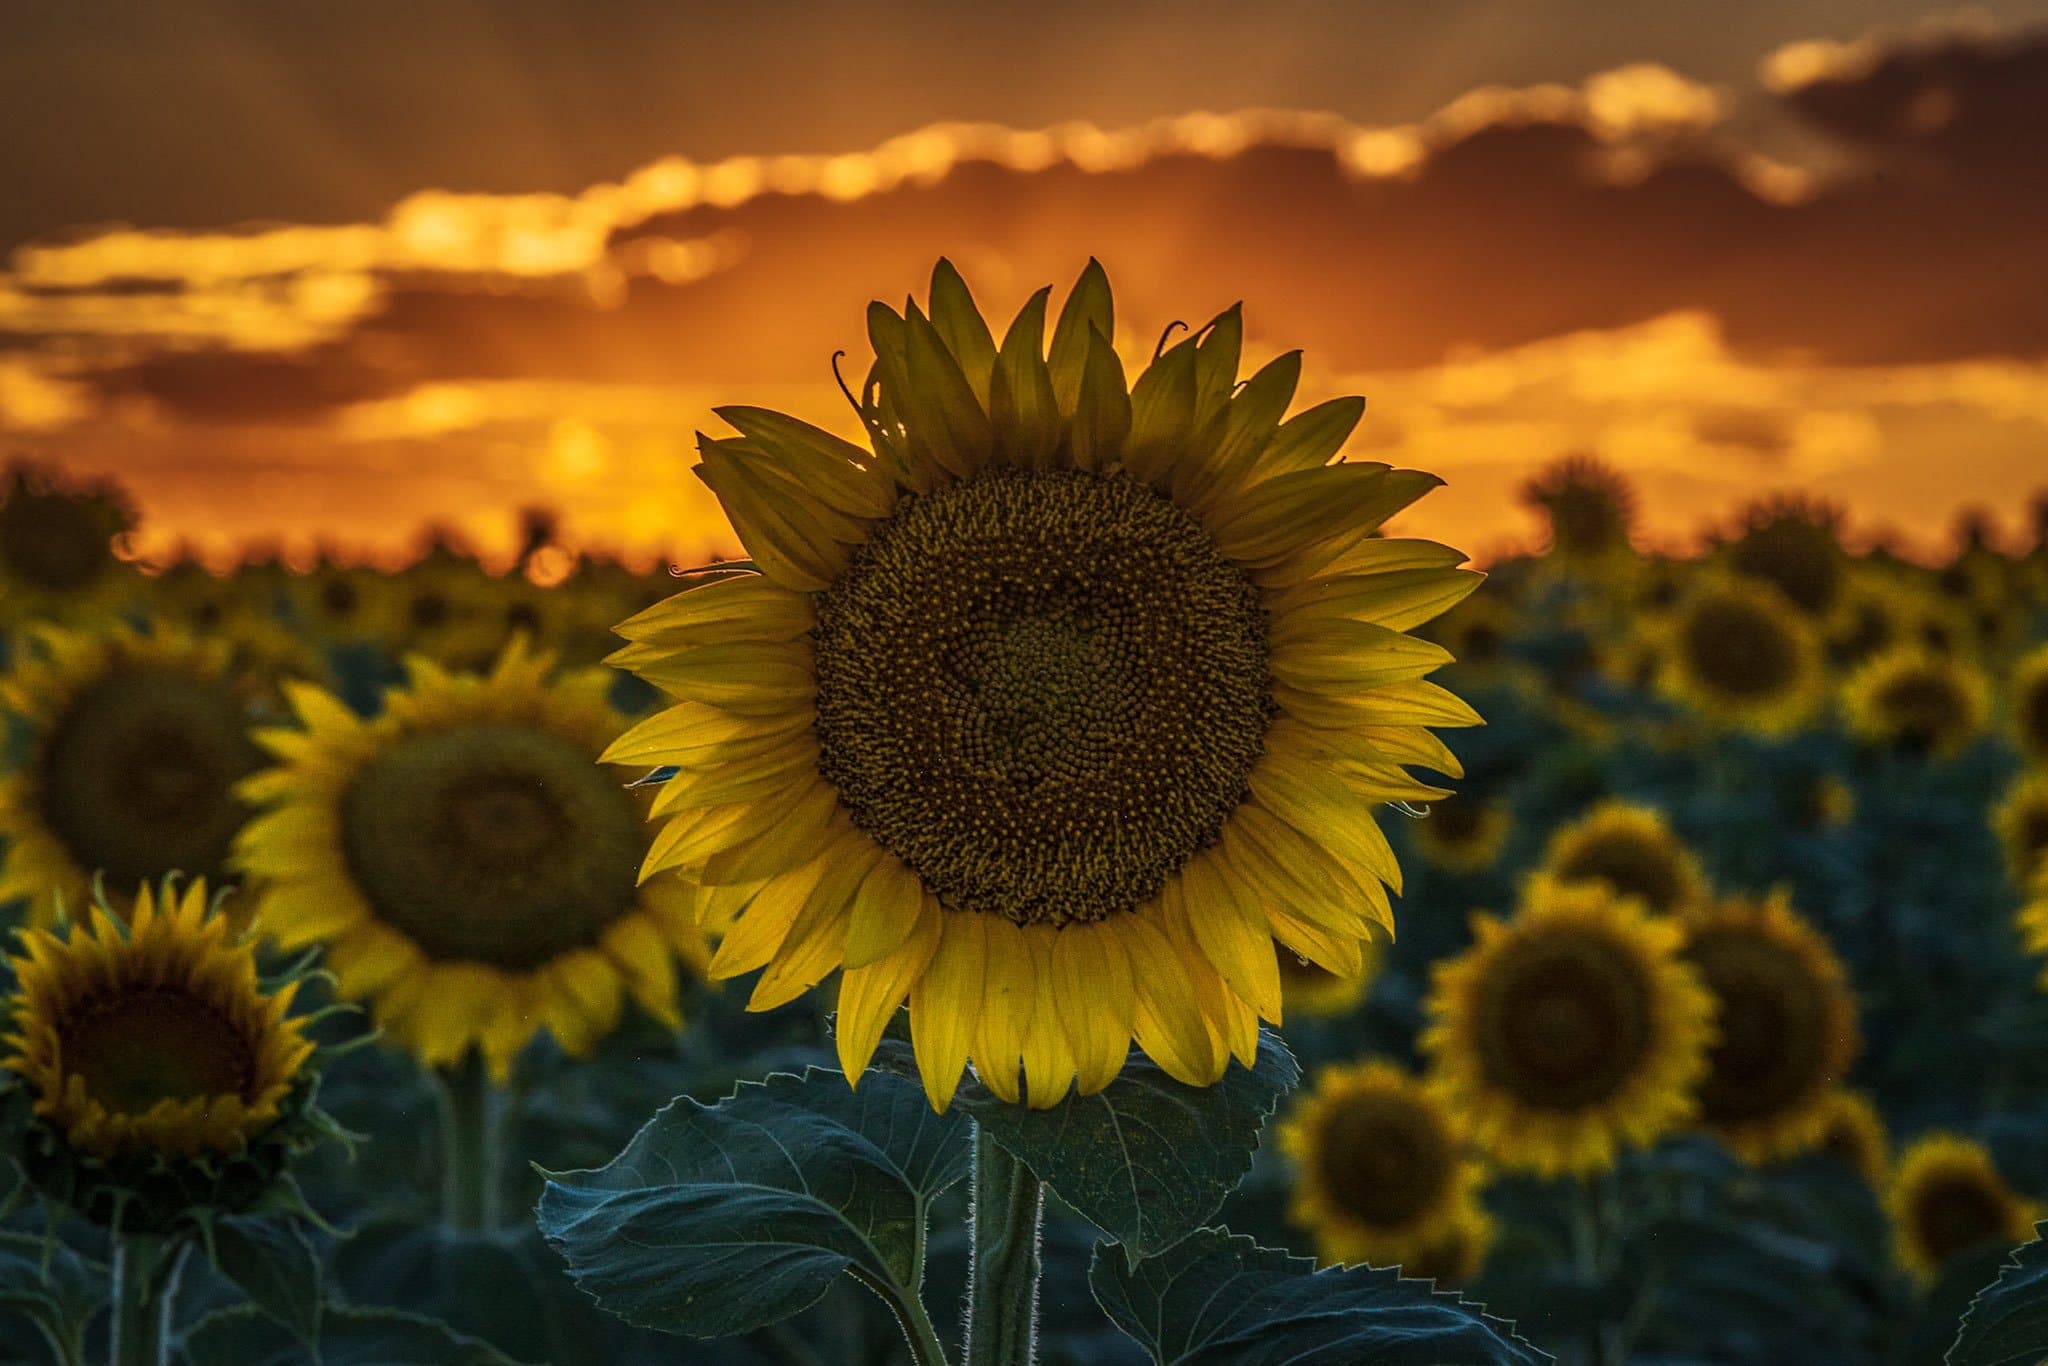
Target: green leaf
(46, 1281)
(1147, 1159)
(1222, 1300)
(2007, 1324)
(721, 1219)
(245, 1336)
(270, 1259)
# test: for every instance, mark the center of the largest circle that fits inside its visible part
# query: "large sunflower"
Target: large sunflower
(57, 558)
(1736, 650)
(466, 863)
(1948, 1198)
(2028, 693)
(1054, 710)
(135, 744)
(1569, 1031)
(153, 1037)
(1787, 1025)
(1915, 700)
(1632, 849)
(1381, 1168)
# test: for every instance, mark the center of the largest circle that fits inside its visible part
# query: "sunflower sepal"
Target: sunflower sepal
(1148, 1160)
(1218, 1296)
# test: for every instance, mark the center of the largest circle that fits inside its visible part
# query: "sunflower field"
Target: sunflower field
(1082, 889)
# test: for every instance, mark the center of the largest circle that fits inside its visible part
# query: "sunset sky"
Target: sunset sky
(328, 273)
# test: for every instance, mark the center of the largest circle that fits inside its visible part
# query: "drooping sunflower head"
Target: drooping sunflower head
(1948, 1198)
(1795, 547)
(1855, 1135)
(465, 862)
(2021, 820)
(1463, 833)
(2029, 701)
(1381, 1165)
(1916, 701)
(57, 545)
(1632, 849)
(1736, 650)
(1569, 1032)
(1309, 988)
(135, 744)
(158, 1073)
(1053, 707)
(1590, 508)
(1786, 1020)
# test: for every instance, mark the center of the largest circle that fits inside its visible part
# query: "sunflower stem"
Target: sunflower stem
(1590, 1255)
(145, 1281)
(1002, 1287)
(469, 1146)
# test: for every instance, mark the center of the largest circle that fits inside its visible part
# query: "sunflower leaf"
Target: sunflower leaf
(719, 1219)
(47, 1282)
(274, 1265)
(1217, 1298)
(2007, 1324)
(1148, 1160)
(246, 1336)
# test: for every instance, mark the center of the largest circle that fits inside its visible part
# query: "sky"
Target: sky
(321, 275)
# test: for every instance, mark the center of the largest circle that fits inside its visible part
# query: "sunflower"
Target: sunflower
(1737, 651)
(1054, 710)
(135, 744)
(1463, 834)
(1475, 632)
(1874, 612)
(1787, 1025)
(1794, 546)
(1456, 1251)
(1948, 1198)
(1308, 988)
(1630, 848)
(1589, 506)
(342, 603)
(1569, 1031)
(2028, 692)
(1917, 701)
(1823, 802)
(1381, 1166)
(466, 864)
(1854, 1134)
(2021, 820)
(152, 1036)
(57, 546)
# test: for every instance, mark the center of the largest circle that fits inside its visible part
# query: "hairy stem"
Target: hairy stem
(145, 1280)
(1002, 1294)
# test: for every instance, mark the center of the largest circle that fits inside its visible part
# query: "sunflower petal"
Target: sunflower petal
(944, 1002)
(870, 994)
(1089, 308)
(1025, 410)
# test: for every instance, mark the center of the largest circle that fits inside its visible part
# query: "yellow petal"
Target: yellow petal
(1167, 1019)
(764, 924)
(869, 995)
(1048, 1053)
(944, 1002)
(1232, 932)
(1009, 996)
(885, 910)
(1094, 994)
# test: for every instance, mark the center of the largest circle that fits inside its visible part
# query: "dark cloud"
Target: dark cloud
(1511, 234)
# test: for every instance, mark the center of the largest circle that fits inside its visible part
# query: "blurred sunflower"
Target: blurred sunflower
(1630, 848)
(57, 538)
(1823, 802)
(341, 603)
(1854, 1133)
(135, 744)
(1455, 1253)
(1660, 582)
(2028, 693)
(1917, 701)
(1786, 1020)
(1590, 509)
(1381, 1167)
(1947, 1198)
(1308, 988)
(152, 1037)
(1463, 833)
(1794, 546)
(1569, 1031)
(465, 862)
(1475, 632)
(2032, 918)
(1055, 710)
(2021, 820)
(1874, 613)
(1740, 654)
